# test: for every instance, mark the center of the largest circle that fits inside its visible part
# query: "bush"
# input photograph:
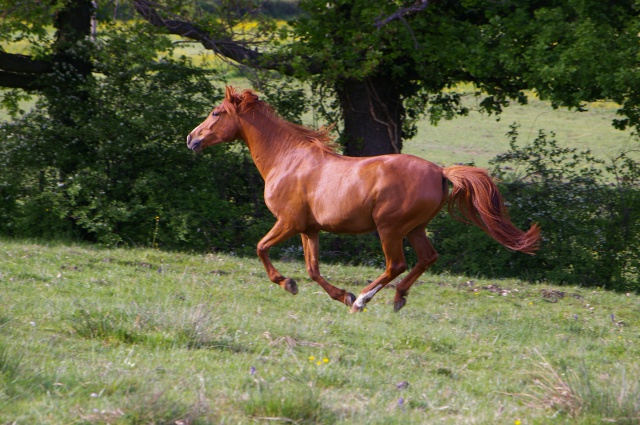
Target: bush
(113, 166)
(589, 213)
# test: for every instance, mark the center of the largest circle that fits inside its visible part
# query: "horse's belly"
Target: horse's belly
(344, 216)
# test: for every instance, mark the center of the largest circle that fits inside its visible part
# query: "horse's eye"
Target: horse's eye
(214, 114)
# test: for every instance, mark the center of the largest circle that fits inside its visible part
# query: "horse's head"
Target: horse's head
(222, 124)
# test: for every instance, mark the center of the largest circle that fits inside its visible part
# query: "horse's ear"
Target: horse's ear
(232, 96)
(229, 92)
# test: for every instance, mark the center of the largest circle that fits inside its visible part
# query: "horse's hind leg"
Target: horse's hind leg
(427, 255)
(311, 255)
(280, 232)
(396, 265)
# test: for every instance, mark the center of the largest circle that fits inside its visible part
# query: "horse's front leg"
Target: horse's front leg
(311, 255)
(280, 232)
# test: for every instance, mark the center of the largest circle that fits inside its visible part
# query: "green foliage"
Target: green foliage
(27, 20)
(279, 9)
(340, 38)
(588, 212)
(287, 97)
(113, 167)
(569, 52)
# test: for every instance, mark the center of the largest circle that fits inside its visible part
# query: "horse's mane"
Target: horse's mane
(250, 101)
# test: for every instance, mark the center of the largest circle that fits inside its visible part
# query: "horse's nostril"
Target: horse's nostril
(194, 145)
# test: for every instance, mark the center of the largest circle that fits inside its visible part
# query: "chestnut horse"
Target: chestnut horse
(310, 188)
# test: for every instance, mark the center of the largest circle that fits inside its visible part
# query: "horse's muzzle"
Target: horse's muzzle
(194, 145)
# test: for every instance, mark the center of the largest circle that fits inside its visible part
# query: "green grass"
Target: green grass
(478, 137)
(115, 336)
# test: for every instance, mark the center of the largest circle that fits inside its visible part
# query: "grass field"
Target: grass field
(119, 336)
(478, 137)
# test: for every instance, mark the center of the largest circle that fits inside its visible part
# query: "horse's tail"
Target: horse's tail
(477, 200)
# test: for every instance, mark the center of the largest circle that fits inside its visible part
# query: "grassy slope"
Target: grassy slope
(91, 335)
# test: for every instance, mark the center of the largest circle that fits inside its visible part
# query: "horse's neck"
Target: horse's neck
(270, 144)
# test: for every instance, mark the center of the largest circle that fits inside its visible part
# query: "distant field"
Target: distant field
(139, 336)
(479, 137)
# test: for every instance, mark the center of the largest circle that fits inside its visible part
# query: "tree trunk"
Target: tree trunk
(73, 28)
(373, 113)
(66, 87)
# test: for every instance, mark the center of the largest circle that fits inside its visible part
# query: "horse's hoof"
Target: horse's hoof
(290, 285)
(397, 305)
(355, 309)
(349, 299)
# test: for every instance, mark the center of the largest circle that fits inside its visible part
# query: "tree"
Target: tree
(67, 53)
(389, 63)
(371, 105)
(386, 64)
(100, 156)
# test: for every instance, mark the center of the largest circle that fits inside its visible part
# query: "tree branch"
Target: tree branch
(13, 80)
(400, 13)
(23, 64)
(21, 71)
(226, 47)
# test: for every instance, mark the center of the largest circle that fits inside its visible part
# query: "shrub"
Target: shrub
(589, 212)
(113, 167)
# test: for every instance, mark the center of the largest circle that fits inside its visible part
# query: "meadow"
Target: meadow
(90, 335)
(478, 138)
